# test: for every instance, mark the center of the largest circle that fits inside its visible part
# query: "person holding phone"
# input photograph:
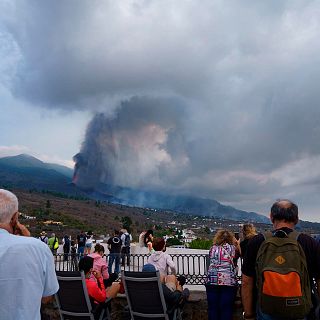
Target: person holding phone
(26, 266)
(94, 282)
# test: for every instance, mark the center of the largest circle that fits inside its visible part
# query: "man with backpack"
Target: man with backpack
(126, 239)
(53, 243)
(43, 237)
(279, 268)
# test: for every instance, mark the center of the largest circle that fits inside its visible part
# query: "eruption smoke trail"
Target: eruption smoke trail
(142, 145)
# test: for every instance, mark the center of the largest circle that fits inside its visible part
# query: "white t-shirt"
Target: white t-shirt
(89, 240)
(123, 238)
(27, 274)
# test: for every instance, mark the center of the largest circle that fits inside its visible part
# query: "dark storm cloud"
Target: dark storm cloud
(227, 92)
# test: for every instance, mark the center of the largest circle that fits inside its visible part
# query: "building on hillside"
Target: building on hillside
(188, 236)
(27, 217)
(48, 222)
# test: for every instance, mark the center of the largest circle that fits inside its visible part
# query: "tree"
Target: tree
(173, 242)
(48, 204)
(126, 223)
(200, 244)
(159, 233)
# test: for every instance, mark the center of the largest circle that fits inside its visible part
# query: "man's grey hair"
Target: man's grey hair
(8, 205)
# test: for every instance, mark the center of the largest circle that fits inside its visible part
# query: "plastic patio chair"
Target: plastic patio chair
(73, 299)
(145, 296)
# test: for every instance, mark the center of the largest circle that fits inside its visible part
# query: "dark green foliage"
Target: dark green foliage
(201, 244)
(173, 242)
(126, 223)
(62, 195)
(160, 233)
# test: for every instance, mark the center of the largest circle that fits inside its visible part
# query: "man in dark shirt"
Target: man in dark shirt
(81, 240)
(114, 246)
(284, 216)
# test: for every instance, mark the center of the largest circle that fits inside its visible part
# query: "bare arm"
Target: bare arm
(149, 244)
(46, 300)
(247, 299)
(21, 230)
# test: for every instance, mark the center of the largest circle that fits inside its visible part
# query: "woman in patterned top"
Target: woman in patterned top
(221, 283)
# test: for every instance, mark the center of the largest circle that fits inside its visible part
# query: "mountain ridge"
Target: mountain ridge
(177, 203)
(27, 172)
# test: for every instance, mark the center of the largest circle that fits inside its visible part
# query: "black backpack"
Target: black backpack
(127, 240)
(43, 239)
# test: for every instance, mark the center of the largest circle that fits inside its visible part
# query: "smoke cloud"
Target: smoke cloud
(212, 98)
(141, 145)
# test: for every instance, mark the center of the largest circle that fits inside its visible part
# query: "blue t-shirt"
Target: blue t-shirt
(27, 274)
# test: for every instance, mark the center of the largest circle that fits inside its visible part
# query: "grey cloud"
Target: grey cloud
(219, 87)
(92, 49)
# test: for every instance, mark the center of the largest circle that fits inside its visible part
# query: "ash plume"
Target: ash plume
(140, 145)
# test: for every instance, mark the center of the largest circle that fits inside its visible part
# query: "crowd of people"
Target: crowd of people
(280, 268)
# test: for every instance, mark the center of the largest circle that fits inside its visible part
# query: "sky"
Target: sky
(217, 99)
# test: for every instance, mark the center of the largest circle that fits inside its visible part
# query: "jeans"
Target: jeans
(220, 301)
(125, 252)
(114, 257)
(80, 250)
(264, 316)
